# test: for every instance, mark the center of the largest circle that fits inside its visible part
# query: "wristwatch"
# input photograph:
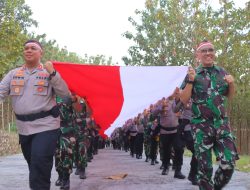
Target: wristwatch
(190, 82)
(52, 74)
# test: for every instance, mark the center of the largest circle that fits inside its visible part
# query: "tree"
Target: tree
(15, 17)
(169, 30)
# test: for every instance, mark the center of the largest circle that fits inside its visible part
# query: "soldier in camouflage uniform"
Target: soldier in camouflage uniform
(209, 86)
(81, 140)
(96, 139)
(66, 142)
(139, 137)
(90, 136)
(147, 128)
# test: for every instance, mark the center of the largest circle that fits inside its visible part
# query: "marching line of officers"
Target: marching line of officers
(164, 128)
(78, 141)
(165, 125)
(203, 129)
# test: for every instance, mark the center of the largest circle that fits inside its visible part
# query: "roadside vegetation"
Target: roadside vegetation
(243, 164)
(9, 143)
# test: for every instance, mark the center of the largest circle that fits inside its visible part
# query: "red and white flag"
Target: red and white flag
(118, 93)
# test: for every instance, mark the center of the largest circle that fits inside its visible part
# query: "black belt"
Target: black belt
(31, 117)
(133, 131)
(169, 128)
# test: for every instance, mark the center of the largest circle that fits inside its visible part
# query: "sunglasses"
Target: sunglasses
(209, 50)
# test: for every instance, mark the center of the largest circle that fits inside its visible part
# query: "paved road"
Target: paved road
(141, 175)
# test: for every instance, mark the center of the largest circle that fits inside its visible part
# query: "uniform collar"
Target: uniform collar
(201, 69)
(38, 68)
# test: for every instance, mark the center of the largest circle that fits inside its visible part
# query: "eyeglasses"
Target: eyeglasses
(209, 50)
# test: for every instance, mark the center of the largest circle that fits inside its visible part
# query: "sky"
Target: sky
(89, 26)
(86, 26)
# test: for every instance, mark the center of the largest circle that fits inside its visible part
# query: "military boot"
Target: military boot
(165, 171)
(178, 174)
(82, 173)
(146, 159)
(65, 184)
(192, 178)
(59, 180)
(192, 175)
(152, 162)
(216, 187)
(77, 171)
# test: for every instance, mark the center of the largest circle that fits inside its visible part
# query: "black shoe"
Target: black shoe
(156, 161)
(173, 167)
(58, 182)
(82, 174)
(165, 171)
(152, 162)
(179, 175)
(137, 156)
(146, 159)
(65, 185)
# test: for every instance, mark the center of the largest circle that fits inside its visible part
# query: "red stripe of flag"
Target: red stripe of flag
(100, 85)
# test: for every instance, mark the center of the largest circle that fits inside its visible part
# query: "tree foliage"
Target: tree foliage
(167, 32)
(15, 17)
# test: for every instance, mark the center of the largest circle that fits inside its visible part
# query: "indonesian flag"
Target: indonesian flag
(118, 93)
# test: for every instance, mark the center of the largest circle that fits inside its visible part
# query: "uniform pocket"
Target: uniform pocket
(41, 88)
(17, 87)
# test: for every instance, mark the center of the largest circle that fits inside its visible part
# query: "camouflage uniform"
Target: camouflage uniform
(154, 139)
(66, 141)
(90, 137)
(210, 127)
(81, 142)
(147, 137)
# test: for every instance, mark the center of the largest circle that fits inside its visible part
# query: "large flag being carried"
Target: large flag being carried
(116, 93)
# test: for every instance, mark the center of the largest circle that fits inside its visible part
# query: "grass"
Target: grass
(243, 164)
(9, 143)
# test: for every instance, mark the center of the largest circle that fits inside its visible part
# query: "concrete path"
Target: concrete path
(141, 175)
